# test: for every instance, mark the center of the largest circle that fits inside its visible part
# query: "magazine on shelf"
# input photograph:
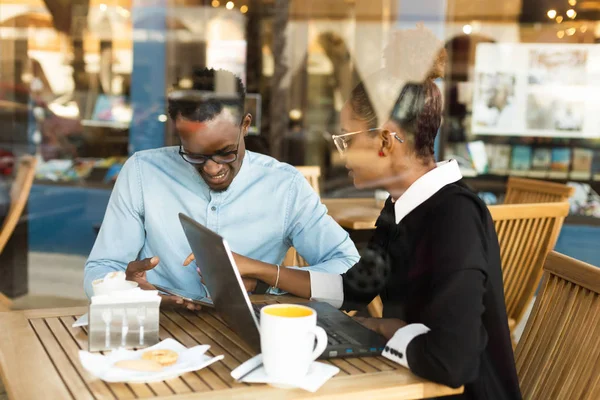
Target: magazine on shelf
(561, 160)
(478, 156)
(582, 164)
(585, 201)
(520, 163)
(500, 159)
(540, 163)
(460, 153)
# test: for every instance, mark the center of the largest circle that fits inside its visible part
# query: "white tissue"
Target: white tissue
(115, 276)
(135, 295)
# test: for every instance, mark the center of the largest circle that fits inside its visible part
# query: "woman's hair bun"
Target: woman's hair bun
(415, 55)
(438, 68)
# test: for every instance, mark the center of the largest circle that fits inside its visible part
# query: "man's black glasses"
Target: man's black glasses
(226, 157)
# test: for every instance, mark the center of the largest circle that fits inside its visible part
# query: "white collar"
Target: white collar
(447, 172)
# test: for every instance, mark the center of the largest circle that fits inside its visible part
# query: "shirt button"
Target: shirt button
(213, 208)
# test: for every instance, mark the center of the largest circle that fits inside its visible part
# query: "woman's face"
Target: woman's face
(366, 167)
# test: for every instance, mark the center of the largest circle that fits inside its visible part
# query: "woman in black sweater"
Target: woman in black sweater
(434, 258)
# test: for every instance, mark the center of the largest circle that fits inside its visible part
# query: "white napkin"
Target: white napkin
(318, 374)
(134, 295)
(103, 367)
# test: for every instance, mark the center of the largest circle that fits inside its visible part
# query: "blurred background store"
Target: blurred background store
(83, 85)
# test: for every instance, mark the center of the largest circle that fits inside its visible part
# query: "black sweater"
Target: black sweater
(444, 272)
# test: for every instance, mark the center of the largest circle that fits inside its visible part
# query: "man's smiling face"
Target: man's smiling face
(218, 136)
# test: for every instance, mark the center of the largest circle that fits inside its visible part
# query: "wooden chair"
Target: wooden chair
(19, 193)
(522, 190)
(312, 174)
(558, 356)
(526, 234)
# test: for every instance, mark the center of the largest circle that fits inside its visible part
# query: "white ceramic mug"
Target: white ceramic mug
(287, 340)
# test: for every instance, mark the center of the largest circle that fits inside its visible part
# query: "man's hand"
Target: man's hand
(384, 326)
(136, 272)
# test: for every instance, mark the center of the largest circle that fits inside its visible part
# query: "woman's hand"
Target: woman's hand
(384, 326)
(244, 264)
(249, 283)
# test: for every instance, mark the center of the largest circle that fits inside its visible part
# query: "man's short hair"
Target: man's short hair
(211, 93)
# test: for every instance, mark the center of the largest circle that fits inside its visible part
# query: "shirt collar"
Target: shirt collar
(422, 189)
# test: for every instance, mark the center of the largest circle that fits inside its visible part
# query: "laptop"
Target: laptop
(346, 336)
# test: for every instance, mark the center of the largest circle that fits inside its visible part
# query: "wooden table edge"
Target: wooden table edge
(360, 387)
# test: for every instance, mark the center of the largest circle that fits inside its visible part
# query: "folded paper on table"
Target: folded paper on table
(102, 366)
(81, 321)
(252, 371)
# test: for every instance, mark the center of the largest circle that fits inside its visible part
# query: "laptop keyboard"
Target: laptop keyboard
(334, 336)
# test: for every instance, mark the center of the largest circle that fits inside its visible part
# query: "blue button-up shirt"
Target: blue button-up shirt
(268, 207)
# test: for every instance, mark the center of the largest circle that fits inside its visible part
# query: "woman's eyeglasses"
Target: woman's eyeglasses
(342, 142)
(226, 157)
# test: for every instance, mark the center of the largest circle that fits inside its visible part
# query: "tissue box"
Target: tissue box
(129, 319)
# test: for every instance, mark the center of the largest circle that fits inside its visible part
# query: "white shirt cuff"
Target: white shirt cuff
(395, 349)
(327, 287)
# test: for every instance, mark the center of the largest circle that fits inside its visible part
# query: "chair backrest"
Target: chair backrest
(558, 356)
(522, 190)
(526, 234)
(19, 193)
(312, 175)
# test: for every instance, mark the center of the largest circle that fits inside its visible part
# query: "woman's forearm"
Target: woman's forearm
(293, 281)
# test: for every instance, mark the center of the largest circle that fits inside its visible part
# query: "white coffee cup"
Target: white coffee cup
(287, 340)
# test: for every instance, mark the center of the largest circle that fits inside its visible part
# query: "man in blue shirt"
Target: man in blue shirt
(261, 206)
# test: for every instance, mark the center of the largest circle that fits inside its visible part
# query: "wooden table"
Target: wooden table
(39, 360)
(355, 214)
